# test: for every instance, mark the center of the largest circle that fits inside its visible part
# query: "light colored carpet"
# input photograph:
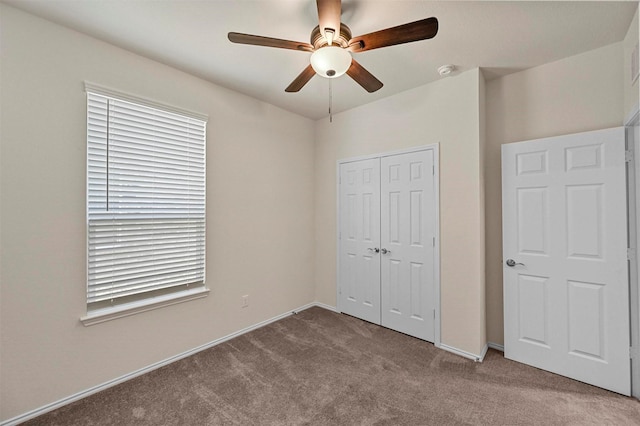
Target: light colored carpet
(323, 368)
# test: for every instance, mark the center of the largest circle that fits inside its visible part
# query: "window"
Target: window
(145, 202)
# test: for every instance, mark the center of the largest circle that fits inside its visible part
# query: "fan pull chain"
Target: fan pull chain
(330, 102)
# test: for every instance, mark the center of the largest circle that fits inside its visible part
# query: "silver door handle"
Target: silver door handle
(375, 249)
(511, 263)
(385, 251)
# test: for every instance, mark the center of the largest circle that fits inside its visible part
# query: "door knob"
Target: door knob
(511, 263)
(385, 251)
(375, 249)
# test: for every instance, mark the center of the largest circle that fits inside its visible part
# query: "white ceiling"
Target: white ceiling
(500, 37)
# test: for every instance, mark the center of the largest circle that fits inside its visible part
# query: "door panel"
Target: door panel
(407, 234)
(566, 303)
(533, 229)
(359, 234)
(533, 306)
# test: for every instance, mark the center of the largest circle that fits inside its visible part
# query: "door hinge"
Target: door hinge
(631, 253)
(433, 241)
(630, 352)
(434, 314)
(628, 156)
(339, 235)
(433, 170)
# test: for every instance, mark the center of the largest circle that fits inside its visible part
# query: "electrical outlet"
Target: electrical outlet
(245, 301)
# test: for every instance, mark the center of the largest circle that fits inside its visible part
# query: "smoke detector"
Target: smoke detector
(446, 70)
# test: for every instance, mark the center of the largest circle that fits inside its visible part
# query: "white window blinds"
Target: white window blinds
(145, 200)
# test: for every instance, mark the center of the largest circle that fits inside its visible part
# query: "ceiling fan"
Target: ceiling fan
(331, 44)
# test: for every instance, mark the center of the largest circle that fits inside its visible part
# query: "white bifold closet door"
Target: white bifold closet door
(387, 242)
(359, 239)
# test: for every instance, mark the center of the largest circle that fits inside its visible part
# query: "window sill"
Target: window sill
(124, 310)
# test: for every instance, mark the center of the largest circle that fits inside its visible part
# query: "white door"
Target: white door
(407, 243)
(359, 239)
(566, 293)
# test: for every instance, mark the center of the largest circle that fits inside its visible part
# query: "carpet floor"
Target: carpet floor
(323, 368)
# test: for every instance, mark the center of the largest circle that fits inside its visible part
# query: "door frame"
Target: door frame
(633, 197)
(435, 147)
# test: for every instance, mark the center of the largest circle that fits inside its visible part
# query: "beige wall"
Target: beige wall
(631, 91)
(575, 94)
(445, 112)
(259, 207)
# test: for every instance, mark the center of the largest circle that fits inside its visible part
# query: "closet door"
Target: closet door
(407, 243)
(359, 239)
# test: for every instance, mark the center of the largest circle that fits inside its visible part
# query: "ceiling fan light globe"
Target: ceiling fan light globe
(330, 61)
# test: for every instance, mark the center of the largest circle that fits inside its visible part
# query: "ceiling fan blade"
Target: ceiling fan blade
(363, 77)
(329, 16)
(269, 42)
(301, 80)
(406, 33)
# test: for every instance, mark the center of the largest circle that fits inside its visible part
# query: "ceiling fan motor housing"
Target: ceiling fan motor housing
(342, 40)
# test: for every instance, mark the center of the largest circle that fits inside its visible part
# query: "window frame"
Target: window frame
(96, 312)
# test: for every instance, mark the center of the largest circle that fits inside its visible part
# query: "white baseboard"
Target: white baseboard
(484, 352)
(496, 346)
(320, 305)
(465, 354)
(95, 389)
